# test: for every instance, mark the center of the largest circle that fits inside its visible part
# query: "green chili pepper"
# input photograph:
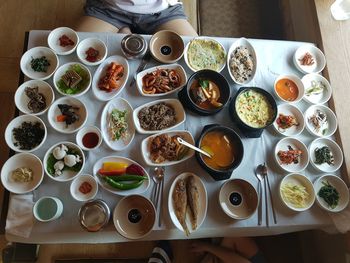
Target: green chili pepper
(128, 177)
(123, 186)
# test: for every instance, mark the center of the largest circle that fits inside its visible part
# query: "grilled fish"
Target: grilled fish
(180, 203)
(193, 200)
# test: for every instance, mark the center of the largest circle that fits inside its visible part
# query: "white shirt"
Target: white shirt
(141, 6)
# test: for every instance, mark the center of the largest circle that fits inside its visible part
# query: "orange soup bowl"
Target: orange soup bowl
(289, 88)
(225, 147)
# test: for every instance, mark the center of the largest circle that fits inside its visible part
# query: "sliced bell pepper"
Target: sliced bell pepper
(111, 166)
(116, 172)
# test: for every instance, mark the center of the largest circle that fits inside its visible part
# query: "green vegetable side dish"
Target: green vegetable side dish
(324, 155)
(118, 126)
(125, 185)
(51, 160)
(317, 87)
(329, 194)
(80, 86)
(39, 64)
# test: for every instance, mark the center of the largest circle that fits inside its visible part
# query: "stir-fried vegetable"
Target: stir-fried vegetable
(324, 155)
(317, 87)
(118, 125)
(329, 194)
(39, 64)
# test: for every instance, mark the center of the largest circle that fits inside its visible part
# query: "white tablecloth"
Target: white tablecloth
(274, 58)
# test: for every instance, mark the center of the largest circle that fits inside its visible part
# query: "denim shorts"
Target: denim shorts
(138, 23)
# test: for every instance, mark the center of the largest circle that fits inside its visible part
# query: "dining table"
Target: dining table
(274, 58)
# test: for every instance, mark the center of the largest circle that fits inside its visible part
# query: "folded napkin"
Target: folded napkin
(20, 217)
(341, 220)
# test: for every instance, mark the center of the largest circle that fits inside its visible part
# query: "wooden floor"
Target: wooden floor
(19, 16)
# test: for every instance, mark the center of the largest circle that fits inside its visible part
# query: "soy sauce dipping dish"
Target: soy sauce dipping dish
(134, 216)
(22, 100)
(96, 44)
(317, 55)
(188, 94)
(53, 40)
(238, 199)
(290, 110)
(166, 46)
(22, 160)
(35, 53)
(176, 67)
(339, 186)
(302, 161)
(242, 43)
(313, 80)
(89, 138)
(336, 152)
(18, 122)
(101, 72)
(225, 172)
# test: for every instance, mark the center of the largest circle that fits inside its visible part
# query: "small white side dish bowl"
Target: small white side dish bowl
(101, 72)
(22, 100)
(302, 181)
(180, 115)
(209, 39)
(53, 40)
(290, 110)
(303, 160)
(297, 81)
(311, 79)
(77, 183)
(94, 43)
(328, 129)
(67, 174)
(121, 105)
(38, 52)
(146, 143)
(17, 122)
(22, 160)
(244, 43)
(317, 55)
(54, 111)
(203, 202)
(340, 187)
(139, 190)
(176, 67)
(86, 130)
(83, 85)
(334, 148)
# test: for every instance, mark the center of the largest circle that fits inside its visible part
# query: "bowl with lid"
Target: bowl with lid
(94, 215)
(224, 146)
(134, 46)
(206, 92)
(166, 46)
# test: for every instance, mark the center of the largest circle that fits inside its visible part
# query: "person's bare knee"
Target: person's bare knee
(125, 30)
(93, 24)
(180, 26)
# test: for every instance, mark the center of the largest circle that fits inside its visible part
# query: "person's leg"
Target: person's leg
(245, 246)
(180, 26)
(93, 24)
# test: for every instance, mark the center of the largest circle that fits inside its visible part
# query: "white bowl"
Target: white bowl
(341, 188)
(179, 69)
(21, 99)
(85, 130)
(82, 88)
(335, 149)
(18, 161)
(203, 202)
(95, 43)
(145, 148)
(15, 123)
(101, 72)
(300, 180)
(298, 83)
(180, 115)
(139, 190)
(38, 52)
(67, 175)
(282, 145)
(77, 182)
(242, 42)
(290, 110)
(54, 111)
(54, 42)
(320, 98)
(318, 56)
(332, 121)
(207, 39)
(122, 105)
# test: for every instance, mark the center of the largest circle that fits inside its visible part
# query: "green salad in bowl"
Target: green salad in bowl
(72, 79)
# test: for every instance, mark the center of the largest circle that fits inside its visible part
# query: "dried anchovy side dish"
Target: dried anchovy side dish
(307, 59)
(157, 117)
(241, 64)
(160, 81)
(324, 155)
(37, 101)
(28, 135)
(290, 156)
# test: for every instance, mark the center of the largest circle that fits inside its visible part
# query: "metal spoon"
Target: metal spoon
(193, 147)
(260, 179)
(158, 177)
